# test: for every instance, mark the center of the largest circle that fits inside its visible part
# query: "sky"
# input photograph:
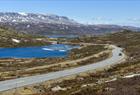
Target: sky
(122, 12)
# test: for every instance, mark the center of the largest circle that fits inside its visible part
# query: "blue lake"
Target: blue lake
(50, 51)
(62, 36)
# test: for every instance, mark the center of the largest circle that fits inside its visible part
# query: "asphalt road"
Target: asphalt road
(14, 83)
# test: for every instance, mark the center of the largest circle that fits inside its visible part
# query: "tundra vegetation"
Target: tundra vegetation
(11, 38)
(12, 67)
(111, 81)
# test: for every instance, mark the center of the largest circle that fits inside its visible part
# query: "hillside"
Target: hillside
(12, 38)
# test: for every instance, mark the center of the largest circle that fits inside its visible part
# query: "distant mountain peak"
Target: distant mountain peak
(50, 24)
(23, 13)
(35, 18)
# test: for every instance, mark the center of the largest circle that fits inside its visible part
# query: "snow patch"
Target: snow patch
(130, 76)
(14, 20)
(22, 13)
(127, 76)
(111, 80)
(85, 85)
(28, 26)
(16, 41)
(58, 88)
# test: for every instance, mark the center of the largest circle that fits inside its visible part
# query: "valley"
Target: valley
(46, 54)
(93, 50)
(69, 47)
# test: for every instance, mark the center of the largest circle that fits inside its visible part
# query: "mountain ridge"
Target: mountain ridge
(34, 18)
(49, 24)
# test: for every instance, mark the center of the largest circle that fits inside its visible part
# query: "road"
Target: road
(20, 82)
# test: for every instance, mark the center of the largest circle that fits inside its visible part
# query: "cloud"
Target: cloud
(101, 19)
(133, 19)
(117, 21)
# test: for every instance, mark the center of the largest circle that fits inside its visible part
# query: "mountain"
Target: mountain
(46, 24)
(35, 18)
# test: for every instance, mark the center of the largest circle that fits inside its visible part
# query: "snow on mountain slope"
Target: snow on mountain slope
(35, 18)
(48, 24)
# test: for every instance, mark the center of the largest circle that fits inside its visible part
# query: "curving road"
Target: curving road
(14, 83)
